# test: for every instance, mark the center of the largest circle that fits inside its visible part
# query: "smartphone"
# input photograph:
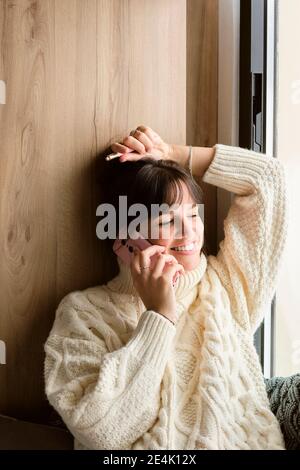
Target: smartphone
(124, 249)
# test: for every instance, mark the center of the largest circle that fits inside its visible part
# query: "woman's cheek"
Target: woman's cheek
(165, 236)
(199, 227)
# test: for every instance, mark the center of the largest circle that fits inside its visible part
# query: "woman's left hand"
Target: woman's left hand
(142, 142)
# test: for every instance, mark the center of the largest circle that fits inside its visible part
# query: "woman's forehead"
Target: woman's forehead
(186, 199)
(182, 194)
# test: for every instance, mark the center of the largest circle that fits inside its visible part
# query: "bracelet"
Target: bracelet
(190, 169)
(190, 161)
(167, 319)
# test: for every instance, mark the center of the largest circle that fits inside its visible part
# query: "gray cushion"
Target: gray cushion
(284, 396)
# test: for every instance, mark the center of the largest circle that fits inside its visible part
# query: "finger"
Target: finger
(160, 262)
(135, 262)
(134, 144)
(146, 254)
(131, 157)
(171, 270)
(143, 138)
(153, 136)
(171, 258)
(127, 153)
(159, 266)
(117, 147)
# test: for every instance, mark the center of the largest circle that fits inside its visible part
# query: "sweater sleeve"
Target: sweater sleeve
(106, 399)
(249, 257)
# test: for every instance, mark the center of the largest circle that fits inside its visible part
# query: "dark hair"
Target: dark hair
(146, 181)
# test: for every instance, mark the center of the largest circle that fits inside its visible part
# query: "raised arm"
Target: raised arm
(107, 399)
(201, 158)
(255, 228)
(256, 225)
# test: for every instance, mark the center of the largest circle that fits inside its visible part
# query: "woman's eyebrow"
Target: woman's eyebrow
(190, 205)
(165, 214)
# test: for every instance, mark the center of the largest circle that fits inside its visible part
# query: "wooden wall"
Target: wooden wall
(79, 75)
(202, 96)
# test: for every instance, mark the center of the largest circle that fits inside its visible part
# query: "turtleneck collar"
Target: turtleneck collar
(122, 282)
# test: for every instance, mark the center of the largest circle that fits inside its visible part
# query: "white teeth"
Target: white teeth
(185, 248)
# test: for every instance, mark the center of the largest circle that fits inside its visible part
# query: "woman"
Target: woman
(139, 364)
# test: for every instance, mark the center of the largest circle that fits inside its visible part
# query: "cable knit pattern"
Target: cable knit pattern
(123, 377)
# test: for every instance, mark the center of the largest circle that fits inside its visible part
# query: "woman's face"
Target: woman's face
(181, 227)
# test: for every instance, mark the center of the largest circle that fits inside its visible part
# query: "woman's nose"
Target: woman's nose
(185, 229)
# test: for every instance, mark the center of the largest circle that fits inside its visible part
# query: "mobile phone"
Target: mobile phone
(124, 249)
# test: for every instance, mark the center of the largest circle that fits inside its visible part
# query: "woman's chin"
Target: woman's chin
(188, 262)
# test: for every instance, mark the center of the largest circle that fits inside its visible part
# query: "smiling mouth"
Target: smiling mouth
(188, 248)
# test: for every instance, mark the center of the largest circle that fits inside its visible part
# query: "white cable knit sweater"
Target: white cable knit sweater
(123, 377)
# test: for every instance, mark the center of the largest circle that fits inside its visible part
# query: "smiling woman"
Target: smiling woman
(168, 201)
(123, 376)
(181, 231)
(153, 183)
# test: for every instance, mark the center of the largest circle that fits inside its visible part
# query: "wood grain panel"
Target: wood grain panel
(202, 95)
(80, 75)
(28, 223)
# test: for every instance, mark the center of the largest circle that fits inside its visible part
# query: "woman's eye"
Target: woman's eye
(166, 223)
(172, 220)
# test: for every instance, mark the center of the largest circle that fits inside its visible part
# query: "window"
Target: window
(256, 117)
(287, 133)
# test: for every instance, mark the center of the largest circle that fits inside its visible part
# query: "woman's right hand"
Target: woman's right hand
(142, 141)
(155, 285)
